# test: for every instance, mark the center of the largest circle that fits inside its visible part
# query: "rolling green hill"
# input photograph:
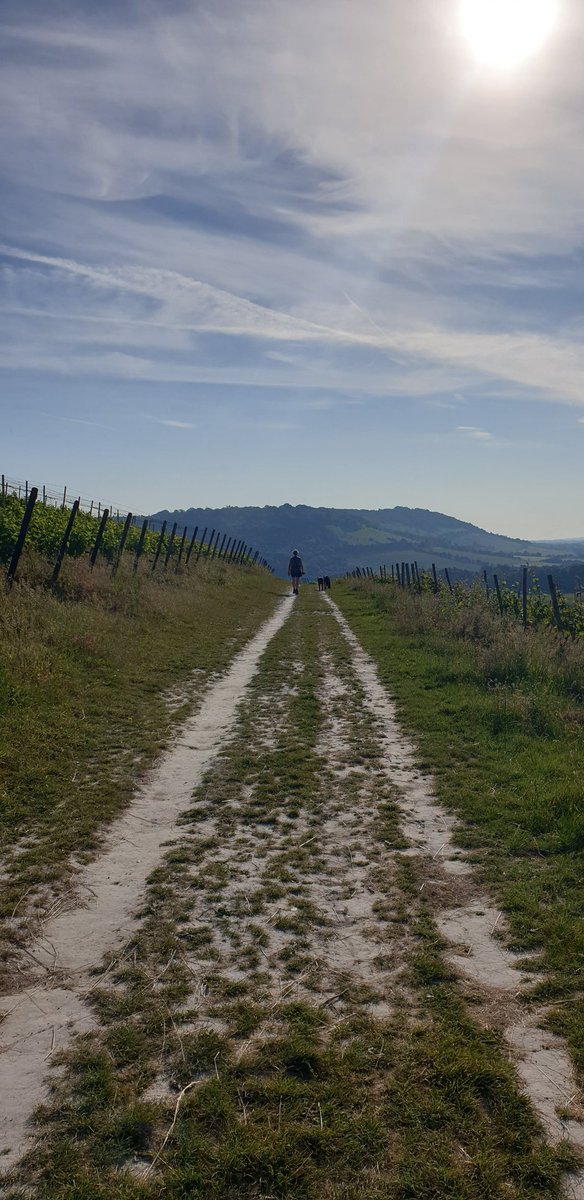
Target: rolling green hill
(333, 540)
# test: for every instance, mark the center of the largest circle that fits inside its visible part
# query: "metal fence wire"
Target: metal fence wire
(169, 549)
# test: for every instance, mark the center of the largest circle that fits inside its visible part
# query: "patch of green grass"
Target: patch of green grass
(498, 716)
(82, 697)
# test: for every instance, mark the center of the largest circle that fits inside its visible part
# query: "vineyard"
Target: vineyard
(525, 601)
(48, 525)
(52, 530)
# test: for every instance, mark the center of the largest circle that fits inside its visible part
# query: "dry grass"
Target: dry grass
(84, 677)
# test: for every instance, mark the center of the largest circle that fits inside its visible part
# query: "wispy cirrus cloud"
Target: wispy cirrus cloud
(197, 199)
(175, 424)
(477, 435)
(173, 305)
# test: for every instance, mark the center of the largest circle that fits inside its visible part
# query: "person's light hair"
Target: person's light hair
(295, 552)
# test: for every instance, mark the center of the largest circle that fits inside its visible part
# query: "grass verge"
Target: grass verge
(498, 716)
(92, 680)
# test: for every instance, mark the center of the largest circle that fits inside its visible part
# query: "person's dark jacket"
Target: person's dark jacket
(295, 566)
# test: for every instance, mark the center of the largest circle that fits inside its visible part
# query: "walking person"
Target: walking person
(295, 570)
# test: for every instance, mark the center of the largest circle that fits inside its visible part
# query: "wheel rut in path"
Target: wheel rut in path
(278, 898)
(473, 929)
(43, 1017)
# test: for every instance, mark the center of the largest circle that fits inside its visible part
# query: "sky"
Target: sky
(304, 251)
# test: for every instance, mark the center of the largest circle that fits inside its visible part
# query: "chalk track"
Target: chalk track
(306, 852)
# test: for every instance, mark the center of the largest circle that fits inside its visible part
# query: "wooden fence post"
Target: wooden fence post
(448, 579)
(216, 544)
(499, 596)
(170, 545)
(192, 545)
(524, 597)
(159, 546)
(435, 577)
(64, 543)
(140, 546)
(181, 547)
(486, 584)
(222, 545)
(13, 564)
(407, 575)
(122, 545)
(201, 543)
(64, 497)
(555, 605)
(98, 538)
(226, 551)
(210, 543)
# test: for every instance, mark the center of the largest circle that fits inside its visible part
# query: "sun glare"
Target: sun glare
(504, 32)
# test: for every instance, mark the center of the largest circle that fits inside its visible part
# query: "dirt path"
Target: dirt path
(284, 1020)
(42, 1016)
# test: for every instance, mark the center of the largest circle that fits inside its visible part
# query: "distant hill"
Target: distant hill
(334, 540)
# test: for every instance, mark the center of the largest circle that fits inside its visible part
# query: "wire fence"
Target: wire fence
(49, 495)
(524, 600)
(59, 524)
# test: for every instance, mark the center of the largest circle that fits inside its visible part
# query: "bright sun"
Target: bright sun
(504, 32)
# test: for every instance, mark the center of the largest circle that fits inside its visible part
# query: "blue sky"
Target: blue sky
(292, 251)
